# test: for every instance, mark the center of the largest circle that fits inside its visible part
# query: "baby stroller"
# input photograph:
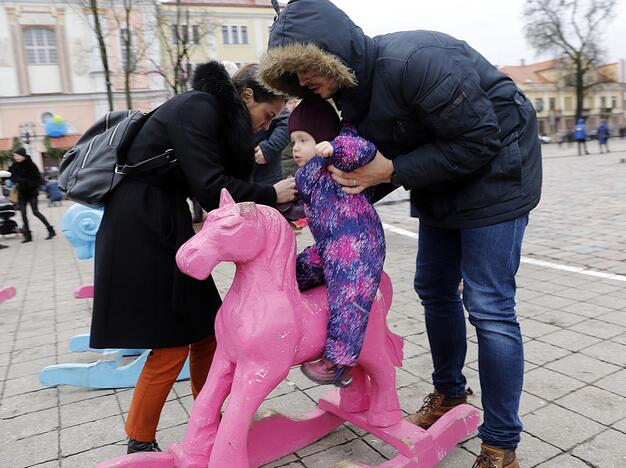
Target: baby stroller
(7, 211)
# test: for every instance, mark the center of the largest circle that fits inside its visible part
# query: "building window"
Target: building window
(196, 34)
(123, 39)
(180, 34)
(602, 103)
(613, 102)
(552, 103)
(234, 35)
(40, 44)
(568, 103)
(539, 104)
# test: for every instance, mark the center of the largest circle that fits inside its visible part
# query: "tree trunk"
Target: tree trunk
(93, 4)
(129, 61)
(580, 88)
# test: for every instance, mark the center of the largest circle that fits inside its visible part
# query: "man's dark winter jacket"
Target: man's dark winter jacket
(272, 143)
(462, 137)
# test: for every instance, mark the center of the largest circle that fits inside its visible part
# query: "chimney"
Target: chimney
(522, 62)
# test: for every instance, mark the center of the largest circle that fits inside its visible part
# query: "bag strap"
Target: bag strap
(155, 162)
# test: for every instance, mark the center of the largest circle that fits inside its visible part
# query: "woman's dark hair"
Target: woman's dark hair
(247, 77)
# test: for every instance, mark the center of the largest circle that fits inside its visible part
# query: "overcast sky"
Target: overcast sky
(493, 27)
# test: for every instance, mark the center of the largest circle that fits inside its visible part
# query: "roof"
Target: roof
(226, 3)
(64, 142)
(5, 144)
(529, 73)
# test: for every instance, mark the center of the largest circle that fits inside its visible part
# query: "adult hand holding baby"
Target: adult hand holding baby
(376, 172)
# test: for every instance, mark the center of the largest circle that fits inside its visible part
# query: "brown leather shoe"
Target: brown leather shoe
(435, 405)
(495, 458)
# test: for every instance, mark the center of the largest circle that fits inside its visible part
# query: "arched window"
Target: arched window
(40, 44)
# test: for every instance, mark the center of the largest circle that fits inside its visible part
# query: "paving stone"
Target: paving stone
(541, 353)
(598, 328)
(560, 427)
(533, 451)
(338, 437)
(92, 435)
(293, 404)
(559, 318)
(569, 340)
(549, 385)
(356, 451)
(28, 403)
(596, 404)
(30, 451)
(95, 456)
(534, 328)
(582, 367)
(620, 426)
(564, 461)
(88, 410)
(607, 450)
(608, 351)
(530, 403)
(27, 425)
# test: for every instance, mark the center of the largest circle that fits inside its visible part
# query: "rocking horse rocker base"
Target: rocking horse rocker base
(266, 326)
(275, 436)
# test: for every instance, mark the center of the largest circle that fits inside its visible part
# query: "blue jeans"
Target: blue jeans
(487, 258)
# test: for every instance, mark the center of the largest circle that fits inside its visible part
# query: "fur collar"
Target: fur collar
(236, 128)
(279, 66)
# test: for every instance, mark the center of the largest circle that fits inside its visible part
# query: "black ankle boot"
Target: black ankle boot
(27, 237)
(135, 446)
(51, 233)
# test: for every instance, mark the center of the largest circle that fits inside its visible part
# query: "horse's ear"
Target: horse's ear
(225, 198)
(247, 210)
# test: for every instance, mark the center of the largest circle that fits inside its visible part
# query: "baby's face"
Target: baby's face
(303, 147)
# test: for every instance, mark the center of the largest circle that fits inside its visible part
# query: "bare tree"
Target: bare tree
(93, 7)
(573, 29)
(177, 37)
(128, 47)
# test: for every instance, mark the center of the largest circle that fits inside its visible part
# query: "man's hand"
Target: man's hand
(379, 170)
(258, 156)
(324, 149)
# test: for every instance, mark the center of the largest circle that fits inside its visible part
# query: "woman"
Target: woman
(27, 178)
(141, 298)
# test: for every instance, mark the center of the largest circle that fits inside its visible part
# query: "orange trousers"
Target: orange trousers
(156, 380)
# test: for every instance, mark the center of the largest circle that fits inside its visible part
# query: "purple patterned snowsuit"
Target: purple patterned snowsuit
(350, 245)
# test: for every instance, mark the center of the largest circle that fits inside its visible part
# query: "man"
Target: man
(459, 134)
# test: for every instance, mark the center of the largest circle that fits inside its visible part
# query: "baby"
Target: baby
(349, 249)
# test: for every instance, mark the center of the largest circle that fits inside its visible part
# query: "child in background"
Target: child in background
(350, 245)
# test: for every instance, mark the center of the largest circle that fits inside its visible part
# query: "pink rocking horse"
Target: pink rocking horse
(264, 327)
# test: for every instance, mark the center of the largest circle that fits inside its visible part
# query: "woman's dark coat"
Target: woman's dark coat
(462, 137)
(141, 298)
(26, 177)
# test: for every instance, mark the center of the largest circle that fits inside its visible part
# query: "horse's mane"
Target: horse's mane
(285, 247)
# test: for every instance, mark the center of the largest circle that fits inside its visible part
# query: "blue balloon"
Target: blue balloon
(55, 129)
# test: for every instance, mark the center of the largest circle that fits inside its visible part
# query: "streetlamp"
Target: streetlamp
(27, 131)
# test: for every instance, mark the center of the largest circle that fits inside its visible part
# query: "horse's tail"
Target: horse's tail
(394, 342)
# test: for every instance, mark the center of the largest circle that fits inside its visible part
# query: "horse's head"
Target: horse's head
(80, 226)
(234, 232)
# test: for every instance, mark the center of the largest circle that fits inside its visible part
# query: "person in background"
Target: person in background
(27, 178)
(581, 135)
(268, 150)
(603, 136)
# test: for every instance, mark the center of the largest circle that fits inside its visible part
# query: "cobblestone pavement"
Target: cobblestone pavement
(571, 303)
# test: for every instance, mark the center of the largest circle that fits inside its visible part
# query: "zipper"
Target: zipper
(87, 155)
(106, 119)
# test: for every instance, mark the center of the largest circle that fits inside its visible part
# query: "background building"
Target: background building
(50, 64)
(549, 85)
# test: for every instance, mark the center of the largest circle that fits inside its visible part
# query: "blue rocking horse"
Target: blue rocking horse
(80, 225)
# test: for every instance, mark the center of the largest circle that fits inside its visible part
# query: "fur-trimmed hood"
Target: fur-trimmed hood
(316, 35)
(212, 77)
